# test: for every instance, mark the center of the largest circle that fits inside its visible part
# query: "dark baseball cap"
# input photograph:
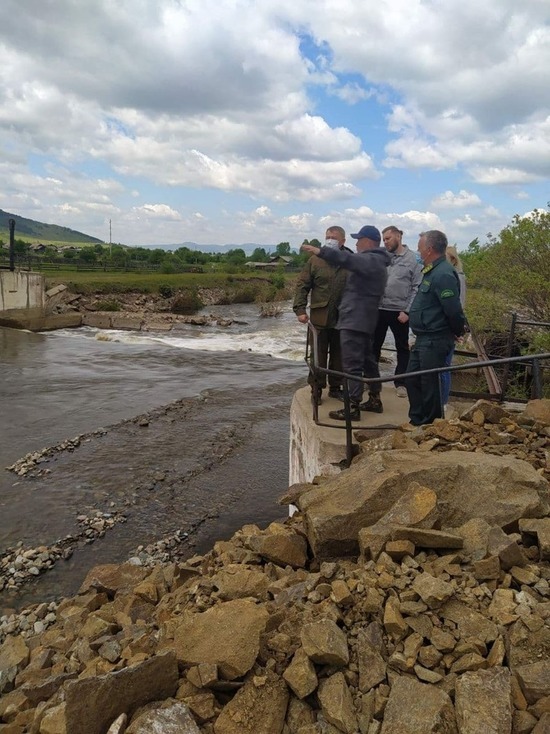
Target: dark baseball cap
(372, 233)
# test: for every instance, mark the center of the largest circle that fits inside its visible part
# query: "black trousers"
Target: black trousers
(428, 352)
(388, 320)
(358, 359)
(329, 353)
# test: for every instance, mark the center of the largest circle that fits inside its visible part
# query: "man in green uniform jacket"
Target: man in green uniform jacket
(324, 284)
(437, 319)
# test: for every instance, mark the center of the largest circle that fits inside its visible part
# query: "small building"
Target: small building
(280, 260)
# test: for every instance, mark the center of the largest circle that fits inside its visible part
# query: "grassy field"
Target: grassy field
(240, 288)
(32, 240)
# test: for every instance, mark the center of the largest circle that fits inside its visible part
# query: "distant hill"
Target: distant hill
(32, 231)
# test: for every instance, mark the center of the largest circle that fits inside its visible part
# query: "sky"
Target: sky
(238, 121)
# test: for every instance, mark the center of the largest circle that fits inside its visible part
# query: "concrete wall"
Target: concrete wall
(23, 304)
(21, 291)
(314, 450)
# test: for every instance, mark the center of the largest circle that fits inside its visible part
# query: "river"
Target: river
(196, 435)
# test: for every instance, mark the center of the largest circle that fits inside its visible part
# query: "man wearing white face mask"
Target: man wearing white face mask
(324, 284)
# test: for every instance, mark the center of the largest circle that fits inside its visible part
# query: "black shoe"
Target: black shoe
(373, 405)
(337, 393)
(340, 415)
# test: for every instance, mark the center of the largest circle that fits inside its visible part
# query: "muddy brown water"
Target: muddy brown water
(212, 457)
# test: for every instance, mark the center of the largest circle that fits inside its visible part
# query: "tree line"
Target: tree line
(166, 261)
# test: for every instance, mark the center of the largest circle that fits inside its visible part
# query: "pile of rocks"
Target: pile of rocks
(433, 619)
(489, 428)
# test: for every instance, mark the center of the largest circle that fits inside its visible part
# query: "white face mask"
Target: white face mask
(332, 243)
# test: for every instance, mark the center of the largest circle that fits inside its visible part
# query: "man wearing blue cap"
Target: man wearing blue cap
(358, 313)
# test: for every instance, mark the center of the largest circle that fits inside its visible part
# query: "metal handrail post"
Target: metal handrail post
(537, 382)
(510, 349)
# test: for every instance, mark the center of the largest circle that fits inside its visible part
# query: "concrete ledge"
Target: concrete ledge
(97, 320)
(37, 320)
(319, 450)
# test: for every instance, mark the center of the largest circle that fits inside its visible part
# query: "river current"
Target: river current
(217, 403)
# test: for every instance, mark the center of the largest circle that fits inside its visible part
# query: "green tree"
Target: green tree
(516, 264)
(259, 255)
(282, 249)
(20, 247)
(88, 255)
(156, 256)
(236, 256)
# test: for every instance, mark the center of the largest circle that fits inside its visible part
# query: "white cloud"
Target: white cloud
(105, 107)
(160, 211)
(450, 200)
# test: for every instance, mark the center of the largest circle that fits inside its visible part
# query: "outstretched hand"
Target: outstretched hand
(311, 248)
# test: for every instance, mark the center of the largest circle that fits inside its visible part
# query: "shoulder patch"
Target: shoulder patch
(447, 293)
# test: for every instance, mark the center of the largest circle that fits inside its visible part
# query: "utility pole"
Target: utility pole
(110, 240)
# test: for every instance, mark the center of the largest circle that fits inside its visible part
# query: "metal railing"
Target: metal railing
(534, 360)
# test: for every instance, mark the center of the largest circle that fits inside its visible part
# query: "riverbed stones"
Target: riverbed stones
(227, 635)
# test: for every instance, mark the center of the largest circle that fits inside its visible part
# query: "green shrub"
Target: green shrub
(278, 280)
(165, 290)
(168, 268)
(186, 302)
(245, 294)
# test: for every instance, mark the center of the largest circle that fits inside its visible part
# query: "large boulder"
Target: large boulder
(416, 708)
(483, 702)
(227, 635)
(14, 656)
(498, 489)
(92, 704)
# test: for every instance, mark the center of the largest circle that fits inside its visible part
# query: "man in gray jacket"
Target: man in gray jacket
(358, 313)
(404, 277)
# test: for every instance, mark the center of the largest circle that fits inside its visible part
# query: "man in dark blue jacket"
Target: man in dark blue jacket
(358, 313)
(437, 319)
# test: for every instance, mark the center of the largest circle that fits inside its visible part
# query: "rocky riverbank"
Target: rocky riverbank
(410, 594)
(151, 311)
